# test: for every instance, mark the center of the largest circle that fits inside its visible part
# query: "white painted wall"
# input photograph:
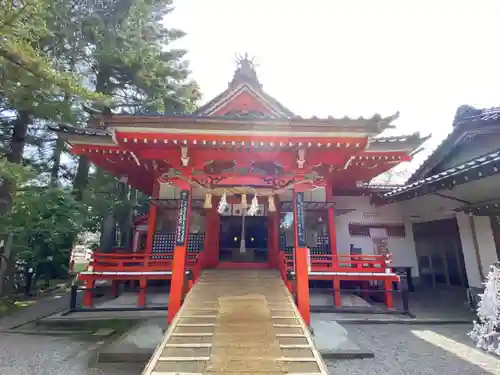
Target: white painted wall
(486, 245)
(402, 249)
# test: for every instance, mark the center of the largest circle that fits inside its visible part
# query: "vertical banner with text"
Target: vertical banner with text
(180, 237)
(300, 219)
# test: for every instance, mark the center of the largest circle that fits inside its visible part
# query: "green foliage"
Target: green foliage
(14, 172)
(44, 221)
(67, 61)
(23, 26)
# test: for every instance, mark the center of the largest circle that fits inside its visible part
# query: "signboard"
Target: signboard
(300, 219)
(180, 237)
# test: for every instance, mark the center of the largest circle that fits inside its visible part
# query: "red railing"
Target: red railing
(133, 262)
(341, 262)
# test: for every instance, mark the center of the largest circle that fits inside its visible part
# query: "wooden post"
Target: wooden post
(211, 234)
(331, 224)
(89, 293)
(275, 231)
(271, 248)
(151, 223)
(301, 254)
(209, 240)
(388, 294)
(180, 253)
(143, 284)
(216, 239)
(332, 234)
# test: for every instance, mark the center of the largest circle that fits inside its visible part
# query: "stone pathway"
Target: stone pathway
(416, 350)
(39, 308)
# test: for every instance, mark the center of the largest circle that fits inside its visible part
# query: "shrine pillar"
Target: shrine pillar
(211, 234)
(273, 234)
(332, 234)
(152, 221)
(180, 252)
(301, 254)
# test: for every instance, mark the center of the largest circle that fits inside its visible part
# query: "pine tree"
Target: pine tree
(486, 330)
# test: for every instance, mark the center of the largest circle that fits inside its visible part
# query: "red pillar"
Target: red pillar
(276, 227)
(331, 224)
(215, 244)
(271, 256)
(274, 246)
(301, 254)
(212, 227)
(143, 284)
(180, 253)
(89, 293)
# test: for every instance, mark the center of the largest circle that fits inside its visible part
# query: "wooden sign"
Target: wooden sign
(300, 219)
(180, 238)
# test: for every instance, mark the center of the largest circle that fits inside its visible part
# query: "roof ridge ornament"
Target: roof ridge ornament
(245, 72)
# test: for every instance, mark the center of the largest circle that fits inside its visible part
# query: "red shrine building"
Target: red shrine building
(243, 182)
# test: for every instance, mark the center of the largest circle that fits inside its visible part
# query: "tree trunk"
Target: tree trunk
(15, 155)
(82, 172)
(127, 224)
(81, 178)
(6, 283)
(56, 158)
(108, 231)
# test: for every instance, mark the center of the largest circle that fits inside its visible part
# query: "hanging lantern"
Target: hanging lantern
(223, 204)
(244, 204)
(208, 200)
(270, 203)
(254, 207)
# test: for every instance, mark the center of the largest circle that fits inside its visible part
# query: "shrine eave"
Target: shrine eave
(467, 115)
(467, 120)
(487, 208)
(472, 170)
(409, 143)
(373, 125)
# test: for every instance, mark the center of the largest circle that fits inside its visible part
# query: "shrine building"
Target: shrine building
(245, 183)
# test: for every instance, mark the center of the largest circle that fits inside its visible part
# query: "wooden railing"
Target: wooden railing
(133, 262)
(340, 262)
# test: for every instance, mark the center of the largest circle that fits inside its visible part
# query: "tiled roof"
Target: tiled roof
(465, 116)
(80, 131)
(451, 172)
(253, 116)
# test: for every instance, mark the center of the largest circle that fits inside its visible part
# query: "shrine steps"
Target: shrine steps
(237, 321)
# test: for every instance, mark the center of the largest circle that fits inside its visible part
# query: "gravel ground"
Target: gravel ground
(416, 350)
(45, 355)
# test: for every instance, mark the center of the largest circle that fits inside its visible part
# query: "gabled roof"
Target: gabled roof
(477, 168)
(245, 81)
(467, 119)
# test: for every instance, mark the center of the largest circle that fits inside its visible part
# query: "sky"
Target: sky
(326, 57)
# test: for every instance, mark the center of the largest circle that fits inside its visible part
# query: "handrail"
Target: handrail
(135, 261)
(343, 262)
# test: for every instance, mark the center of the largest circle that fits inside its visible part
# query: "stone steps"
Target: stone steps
(237, 321)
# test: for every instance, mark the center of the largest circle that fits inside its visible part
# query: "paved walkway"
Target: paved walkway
(38, 308)
(416, 350)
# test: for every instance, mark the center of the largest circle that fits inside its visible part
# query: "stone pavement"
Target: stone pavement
(39, 308)
(416, 350)
(46, 355)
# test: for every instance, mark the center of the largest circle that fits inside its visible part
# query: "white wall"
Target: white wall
(486, 245)
(402, 249)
